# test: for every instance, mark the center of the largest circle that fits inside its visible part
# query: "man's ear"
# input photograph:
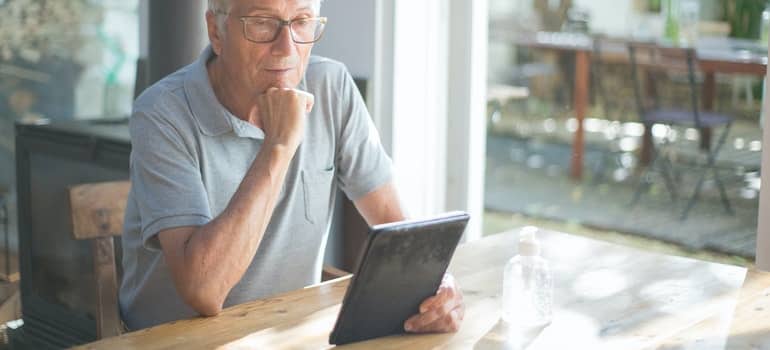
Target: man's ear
(214, 32)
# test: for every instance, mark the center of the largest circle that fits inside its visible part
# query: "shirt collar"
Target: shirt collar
(244, 129)
(208, 112)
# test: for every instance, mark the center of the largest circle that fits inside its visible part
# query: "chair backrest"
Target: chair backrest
(97, 215)
(606, 50)
(660, 61)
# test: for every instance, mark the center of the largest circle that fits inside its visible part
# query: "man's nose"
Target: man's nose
(283, 44)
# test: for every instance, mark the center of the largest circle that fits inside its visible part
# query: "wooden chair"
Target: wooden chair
(97, 215)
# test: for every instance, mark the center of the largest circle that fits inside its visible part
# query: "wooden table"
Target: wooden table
(606, 296)
(715, 55)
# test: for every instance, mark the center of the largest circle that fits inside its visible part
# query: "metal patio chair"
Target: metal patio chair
(657, 60)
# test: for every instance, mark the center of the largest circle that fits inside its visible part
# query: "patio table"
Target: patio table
(606, 296)
(715, 55)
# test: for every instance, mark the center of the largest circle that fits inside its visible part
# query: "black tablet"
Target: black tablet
(402, 265)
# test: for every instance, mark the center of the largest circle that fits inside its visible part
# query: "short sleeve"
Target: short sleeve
(165, 178)
(362, 163)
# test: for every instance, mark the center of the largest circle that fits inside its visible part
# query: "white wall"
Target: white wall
(419, 104)
(430, 75)
(466, 111)
(349, 36)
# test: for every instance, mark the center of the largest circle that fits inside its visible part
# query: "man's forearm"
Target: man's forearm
(217, 254)
(381, 205)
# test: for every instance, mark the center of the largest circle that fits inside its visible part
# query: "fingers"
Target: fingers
(442, 312)
(447, 322)
(309, 99)
(423, 319)
(305, 99)
(442, 296)
(447, 289)
(282, 113)
(309, 103)
(439, 311)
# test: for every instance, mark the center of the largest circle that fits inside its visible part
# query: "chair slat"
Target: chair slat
(97, 209)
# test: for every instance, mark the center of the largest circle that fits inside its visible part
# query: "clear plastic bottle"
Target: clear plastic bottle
(527, 285)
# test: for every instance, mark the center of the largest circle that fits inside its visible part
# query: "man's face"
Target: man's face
(259, 66)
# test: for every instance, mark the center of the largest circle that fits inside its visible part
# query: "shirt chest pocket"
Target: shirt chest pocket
(317, 190)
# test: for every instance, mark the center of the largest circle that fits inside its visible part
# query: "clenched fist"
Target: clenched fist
(282, 112)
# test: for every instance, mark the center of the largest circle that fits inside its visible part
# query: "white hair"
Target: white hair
(222, 7)
(219, 8)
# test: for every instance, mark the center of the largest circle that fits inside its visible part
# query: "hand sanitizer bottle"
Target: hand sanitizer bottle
(527, 285)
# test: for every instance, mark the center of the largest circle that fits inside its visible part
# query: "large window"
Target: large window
(62, 60)
(572, 143)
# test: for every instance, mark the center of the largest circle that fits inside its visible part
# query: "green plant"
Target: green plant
(744, 17)
(653, 6)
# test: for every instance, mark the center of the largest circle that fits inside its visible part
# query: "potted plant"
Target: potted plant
(744, 17)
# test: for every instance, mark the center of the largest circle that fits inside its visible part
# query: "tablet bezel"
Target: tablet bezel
(439, 222)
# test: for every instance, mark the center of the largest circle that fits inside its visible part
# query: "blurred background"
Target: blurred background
(533, 121)
(62, 60)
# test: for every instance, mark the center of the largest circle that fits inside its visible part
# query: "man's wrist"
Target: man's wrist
(280, 144)
(277, 148)
(277, 152)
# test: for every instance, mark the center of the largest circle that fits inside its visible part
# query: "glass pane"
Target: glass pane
(62, 60)
(62, 268)
(571, 147)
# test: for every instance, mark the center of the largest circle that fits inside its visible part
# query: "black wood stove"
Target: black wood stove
(57, 280)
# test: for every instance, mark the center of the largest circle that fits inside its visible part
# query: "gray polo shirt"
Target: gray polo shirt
(190, 154)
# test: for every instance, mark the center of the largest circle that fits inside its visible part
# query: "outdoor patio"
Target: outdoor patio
(528, 159)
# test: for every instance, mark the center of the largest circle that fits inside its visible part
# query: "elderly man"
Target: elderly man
(235, 161)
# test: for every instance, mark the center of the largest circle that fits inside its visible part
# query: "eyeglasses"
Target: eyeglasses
(260, 29)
